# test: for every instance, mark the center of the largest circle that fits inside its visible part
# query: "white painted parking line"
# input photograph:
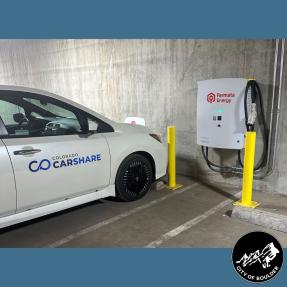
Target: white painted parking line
(189, 224)
(118, 217)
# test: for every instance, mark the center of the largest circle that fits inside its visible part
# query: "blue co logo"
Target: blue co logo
(44, 164)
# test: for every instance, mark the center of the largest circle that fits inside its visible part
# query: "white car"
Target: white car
(56, 154)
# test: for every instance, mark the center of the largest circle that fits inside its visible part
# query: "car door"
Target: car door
(7, 183)
(53, 157)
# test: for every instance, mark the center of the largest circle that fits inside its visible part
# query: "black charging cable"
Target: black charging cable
(256, 97)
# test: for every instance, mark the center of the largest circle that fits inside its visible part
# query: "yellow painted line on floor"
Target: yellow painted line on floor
(116, 218)
(189, 224)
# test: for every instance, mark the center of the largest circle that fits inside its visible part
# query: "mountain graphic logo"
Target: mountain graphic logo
(257, 256)
(264, 258)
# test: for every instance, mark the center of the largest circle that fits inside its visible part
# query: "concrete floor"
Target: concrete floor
(195, 216)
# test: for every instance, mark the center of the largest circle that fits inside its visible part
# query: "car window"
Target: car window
(56, 110)
(93, 125)
(7, 110)
(28, 114)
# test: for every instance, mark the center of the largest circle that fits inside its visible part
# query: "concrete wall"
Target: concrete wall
(154, 79)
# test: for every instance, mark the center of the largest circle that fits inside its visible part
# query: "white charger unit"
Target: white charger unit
(220, 113)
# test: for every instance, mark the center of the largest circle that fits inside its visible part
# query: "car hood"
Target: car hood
(121, 127)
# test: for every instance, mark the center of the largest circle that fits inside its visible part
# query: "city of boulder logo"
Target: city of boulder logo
(257, 256)
(220, 97)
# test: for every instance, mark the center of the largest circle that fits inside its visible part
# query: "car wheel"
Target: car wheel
(134, 178)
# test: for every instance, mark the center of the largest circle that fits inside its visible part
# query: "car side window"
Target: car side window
(8, 110)
(56, 110)
(11, 115)
(29, 114)
(93, 125)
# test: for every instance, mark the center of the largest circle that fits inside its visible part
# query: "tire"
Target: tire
(134, 178)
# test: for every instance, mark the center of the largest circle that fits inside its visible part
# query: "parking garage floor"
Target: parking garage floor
(197, 215)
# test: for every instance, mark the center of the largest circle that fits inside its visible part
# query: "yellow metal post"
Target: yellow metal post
(249, 156)
(171, 141)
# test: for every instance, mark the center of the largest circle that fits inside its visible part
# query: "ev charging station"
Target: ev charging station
(220, 113)
(226, 115)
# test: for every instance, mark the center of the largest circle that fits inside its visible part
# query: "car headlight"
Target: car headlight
(157, 137)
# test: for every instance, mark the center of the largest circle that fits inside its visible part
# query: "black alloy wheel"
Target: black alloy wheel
(134, 178)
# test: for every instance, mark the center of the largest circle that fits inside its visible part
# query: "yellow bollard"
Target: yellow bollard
(171, 135)
(249, 156)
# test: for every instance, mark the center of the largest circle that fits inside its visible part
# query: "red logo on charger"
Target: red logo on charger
(211, 98)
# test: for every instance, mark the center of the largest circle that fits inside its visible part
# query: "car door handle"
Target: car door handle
(26, 151)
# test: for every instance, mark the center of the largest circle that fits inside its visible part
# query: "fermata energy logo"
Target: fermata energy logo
(220, 97)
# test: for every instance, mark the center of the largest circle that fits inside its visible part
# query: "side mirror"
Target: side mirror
(91, 128)
(86, 133)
